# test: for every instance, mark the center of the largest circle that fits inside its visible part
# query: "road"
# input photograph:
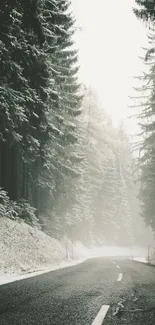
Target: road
(79, 295)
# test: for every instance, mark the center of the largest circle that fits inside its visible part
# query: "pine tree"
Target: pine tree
(101, 208)
(65, 100)
(147, 153)
(40, 99)
(23, 96)
(145, 10)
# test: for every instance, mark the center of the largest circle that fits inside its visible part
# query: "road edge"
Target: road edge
(11, 278)
(144, 263)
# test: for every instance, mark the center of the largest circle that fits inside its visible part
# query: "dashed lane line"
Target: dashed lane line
(104, 309)
(120, 277)
(101, 315)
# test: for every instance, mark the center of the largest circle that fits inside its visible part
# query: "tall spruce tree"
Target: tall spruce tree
(39, 99)
(146, 11)
(23, 79)
(65, 100)
(100, 197)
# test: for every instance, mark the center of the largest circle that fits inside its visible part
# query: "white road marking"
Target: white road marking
(101, 315)
(118, 266)
(120, 277)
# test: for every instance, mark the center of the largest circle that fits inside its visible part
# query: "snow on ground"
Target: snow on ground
(12, 278)
(27, 251)
(140, 259)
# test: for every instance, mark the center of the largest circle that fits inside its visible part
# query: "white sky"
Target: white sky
(109, 45)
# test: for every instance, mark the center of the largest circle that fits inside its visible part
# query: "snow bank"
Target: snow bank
(140, 259)
(24, 250)
(142, 255)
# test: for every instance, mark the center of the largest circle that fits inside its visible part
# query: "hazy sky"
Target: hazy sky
(109, 45)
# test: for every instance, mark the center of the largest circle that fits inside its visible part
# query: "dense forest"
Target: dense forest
(145, 102)
(63, 165)
(100, 204)
(40, 99)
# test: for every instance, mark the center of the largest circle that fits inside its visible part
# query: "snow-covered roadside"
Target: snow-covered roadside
(140, 259)
(12, 278)
(145, 260)
(26, 252)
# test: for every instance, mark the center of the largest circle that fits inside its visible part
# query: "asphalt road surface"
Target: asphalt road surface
(100, 291)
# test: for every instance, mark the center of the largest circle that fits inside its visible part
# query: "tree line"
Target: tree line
(145, 11)
(39, 96)
(99, 206)
(63, 164)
